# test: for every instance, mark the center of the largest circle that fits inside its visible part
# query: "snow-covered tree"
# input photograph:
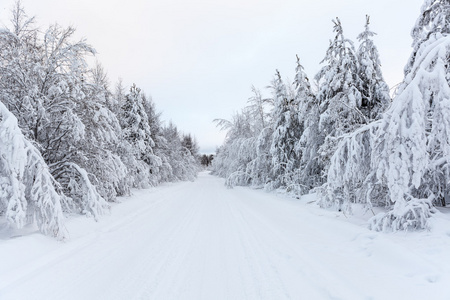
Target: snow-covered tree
(434, 18)
(352, 175)
(162, 169)
(191, 144)
(339, 84)
(134, 121)
(374, 90)
(20, 69)
(65, 128)
(245, 158)
(310, 140)
(259, 108)
(260, 167)
(415, 139)
(415, 134)
(238, 150)
(28, 192)
(286, 133)
(339, 93)
(136, 138)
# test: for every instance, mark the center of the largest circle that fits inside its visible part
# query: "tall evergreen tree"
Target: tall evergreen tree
(134, 121)
(339, 87)
(286, 133)
(374, 90)
(191, 144)
(137, 137)
(161, 168)
(434, 19)
(415, 134)
(339, 93)
(310, 139)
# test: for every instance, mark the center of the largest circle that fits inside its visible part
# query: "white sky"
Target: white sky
(198, 59)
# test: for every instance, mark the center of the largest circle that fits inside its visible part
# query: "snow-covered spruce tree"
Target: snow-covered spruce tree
(374, 90)
(286, 133)
(310, 139)
(339, 93)
(415, 134)
(191, 144)
(164, 172)
(28, 192)
(136, 133)
(153, 160)
(434, 18)
(117, 98)
(351, 177)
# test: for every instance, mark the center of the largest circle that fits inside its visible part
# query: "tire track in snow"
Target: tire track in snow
(173, 255)
(300, 264)
(258, 264)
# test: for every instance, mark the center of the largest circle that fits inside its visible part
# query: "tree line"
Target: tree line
(68, 142)
(341, 136)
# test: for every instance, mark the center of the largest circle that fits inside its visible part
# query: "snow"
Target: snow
(200, 240)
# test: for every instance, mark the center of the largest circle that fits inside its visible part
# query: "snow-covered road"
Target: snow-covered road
(199, 240)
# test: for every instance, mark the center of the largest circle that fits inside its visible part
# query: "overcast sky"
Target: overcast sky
(199, 59)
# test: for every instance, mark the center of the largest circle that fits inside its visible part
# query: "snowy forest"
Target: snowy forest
(70, 143)
(342, 136)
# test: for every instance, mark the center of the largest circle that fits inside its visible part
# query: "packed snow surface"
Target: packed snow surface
(200, 240)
